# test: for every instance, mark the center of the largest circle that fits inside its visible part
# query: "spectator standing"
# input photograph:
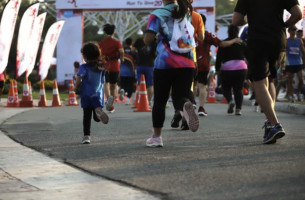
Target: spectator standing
(294, 63)
(113, 51)
(266, 44)
(281, 79)
(230, 61)
(300, 36)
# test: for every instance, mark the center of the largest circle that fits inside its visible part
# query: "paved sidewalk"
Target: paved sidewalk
(28, 174)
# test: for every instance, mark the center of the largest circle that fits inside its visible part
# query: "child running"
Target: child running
(90, 79)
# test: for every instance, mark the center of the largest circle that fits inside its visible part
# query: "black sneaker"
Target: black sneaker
(231, 107)
(276, 132)
(202, 112)
(184, 125)
(267, 126)
(176, 119)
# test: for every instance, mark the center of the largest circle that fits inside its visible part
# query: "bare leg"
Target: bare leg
(272, 90)
(290, 84)
(265, 100)
(106, 90)
(113, 90)
(202, 94)
(301, 81)
(195, 89)
(157, 132)
(150, 92)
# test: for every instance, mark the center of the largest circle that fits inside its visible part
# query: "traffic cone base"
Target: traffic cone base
(26, 104)
(26, 98)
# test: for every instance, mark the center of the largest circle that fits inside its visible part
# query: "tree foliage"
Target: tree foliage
(225, 7)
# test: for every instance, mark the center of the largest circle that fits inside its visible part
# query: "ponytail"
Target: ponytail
(185, 8)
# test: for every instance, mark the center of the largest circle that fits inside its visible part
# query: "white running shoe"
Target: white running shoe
(109, 104)
(86, 139)
(122, 93)
(112, 110)
(154, 142)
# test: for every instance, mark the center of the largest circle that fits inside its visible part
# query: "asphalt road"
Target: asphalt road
(225, 159)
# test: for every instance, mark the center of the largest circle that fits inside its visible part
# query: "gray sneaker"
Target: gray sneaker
(103, 117)
(122, 93)
(237, 111)
(231, 107)
(109, 104)
(86, 139)
(190, 116)
(300, 97)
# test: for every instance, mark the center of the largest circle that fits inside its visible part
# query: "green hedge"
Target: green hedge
(7, 87)
(47, 84)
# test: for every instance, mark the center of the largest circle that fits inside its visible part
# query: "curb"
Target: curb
(291, 108)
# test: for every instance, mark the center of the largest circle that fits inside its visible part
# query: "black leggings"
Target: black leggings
(180, 81)
(87, 119)
(233, 79)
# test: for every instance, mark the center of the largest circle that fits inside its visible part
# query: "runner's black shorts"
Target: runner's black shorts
(112, 77)
(202, 77)
(263, 58)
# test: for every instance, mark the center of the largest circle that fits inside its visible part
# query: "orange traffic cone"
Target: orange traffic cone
(16, 98)
(42, 98)
(212, 93)
(135, 104)
(224, 100)
(26, 98)
(11, 95)
(56, 99)
(72, 96)
(143, 101)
